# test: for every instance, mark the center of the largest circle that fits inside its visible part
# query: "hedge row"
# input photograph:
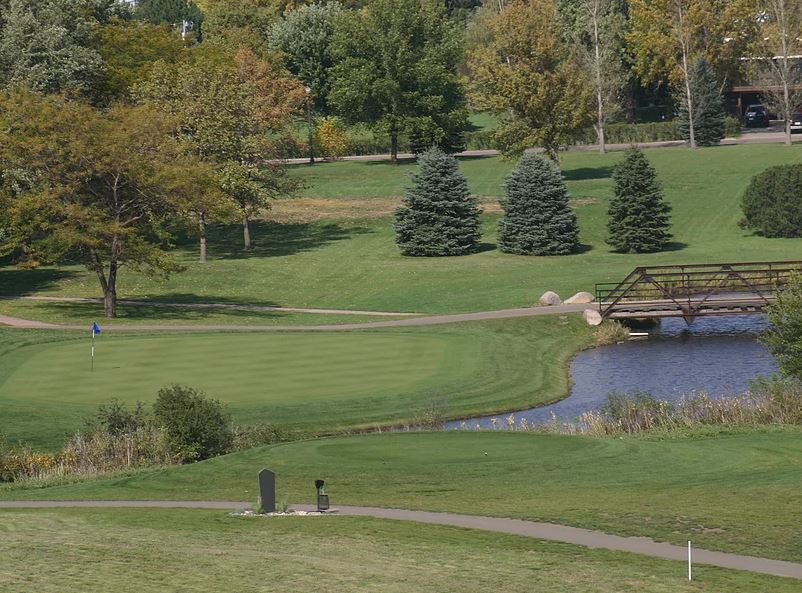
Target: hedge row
(366, 143)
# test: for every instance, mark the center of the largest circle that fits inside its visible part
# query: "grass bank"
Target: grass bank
(740, 492)
(340, 253)
(208, 551)
(316, 382)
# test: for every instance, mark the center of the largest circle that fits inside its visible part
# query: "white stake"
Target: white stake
(690, 574)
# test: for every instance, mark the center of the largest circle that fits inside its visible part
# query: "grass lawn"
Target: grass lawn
(309, 382)
(78, 313)
(740, 492)
(133, 551)
(344, 260)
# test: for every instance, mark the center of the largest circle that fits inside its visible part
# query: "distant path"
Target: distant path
(234, 306)
(408, 322)
(771, 136)
(544, 531)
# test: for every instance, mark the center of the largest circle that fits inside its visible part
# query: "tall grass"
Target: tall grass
(769, 402)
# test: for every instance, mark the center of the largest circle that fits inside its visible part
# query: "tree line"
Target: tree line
(121, 126)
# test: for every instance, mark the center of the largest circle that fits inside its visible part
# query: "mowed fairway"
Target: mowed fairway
(130, 551)
(309, 381)
(345, 257)
(740, 492)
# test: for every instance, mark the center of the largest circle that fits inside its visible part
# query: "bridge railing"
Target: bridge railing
(687, 285)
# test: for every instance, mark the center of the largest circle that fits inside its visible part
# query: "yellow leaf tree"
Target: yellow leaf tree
(526, 73)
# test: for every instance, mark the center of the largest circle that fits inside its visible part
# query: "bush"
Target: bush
(772, 203)
(331, 138)
(196, 426)
(623, 133)
(114, 418)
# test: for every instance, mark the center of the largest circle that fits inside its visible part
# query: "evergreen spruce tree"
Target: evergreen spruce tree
(708, 108)
(537, 218)
(638, 216)
(439, 217)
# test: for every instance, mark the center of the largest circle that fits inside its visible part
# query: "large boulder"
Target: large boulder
(580, 298)
(592, 316)
(549, 299)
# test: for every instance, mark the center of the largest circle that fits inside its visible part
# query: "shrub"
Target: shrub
(638, 216)
(196, 427)
(439, 216)
(537, 218)
(772, 203)
(331, 138)
(115, 418)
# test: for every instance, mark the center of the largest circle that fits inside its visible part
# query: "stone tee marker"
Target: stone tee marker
(267, 491)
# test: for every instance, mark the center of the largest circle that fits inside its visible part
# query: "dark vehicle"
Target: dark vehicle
(756, 115)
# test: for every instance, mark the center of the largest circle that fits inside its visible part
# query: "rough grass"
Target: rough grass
(144, 550)
(310, 382)
(353, 263)
(739, 492)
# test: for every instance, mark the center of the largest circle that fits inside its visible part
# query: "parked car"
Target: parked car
(756, 115)
(796, 122)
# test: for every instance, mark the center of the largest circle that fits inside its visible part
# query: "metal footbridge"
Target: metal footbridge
(695, 290)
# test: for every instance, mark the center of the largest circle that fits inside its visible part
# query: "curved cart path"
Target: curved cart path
(544, 531)
(407, 322)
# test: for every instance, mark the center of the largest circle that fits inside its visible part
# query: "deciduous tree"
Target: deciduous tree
(304, 36)
(666, 36)
(526, 73)
(776, 63)
(231, 107)
(397, 71)
(49, 45)
(98, 187)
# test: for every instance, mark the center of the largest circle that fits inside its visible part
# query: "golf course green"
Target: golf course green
(299, 381)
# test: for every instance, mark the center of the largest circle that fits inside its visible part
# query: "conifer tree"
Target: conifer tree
(638, 215)
(439, 216)
(708, 108)
(537, 218)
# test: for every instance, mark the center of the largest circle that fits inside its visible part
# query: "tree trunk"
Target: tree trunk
(394, 145)
(687, 75)
(599, 84)
(246, 232)
(202, 230)
(107, 284)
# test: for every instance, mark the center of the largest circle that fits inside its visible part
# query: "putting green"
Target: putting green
(309, 381)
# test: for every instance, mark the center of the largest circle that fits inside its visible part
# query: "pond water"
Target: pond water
(716, 355)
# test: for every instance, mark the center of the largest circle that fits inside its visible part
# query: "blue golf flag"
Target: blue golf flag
(95, 328)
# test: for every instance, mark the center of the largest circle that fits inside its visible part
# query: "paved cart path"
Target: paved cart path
(407, 322)
(544, 531)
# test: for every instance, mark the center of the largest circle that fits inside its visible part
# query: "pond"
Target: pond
(716, 355)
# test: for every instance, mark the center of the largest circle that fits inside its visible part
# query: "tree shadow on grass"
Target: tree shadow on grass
(271, 239)
(94, 311)
(587, 173)
(21, 282)
(190, 298)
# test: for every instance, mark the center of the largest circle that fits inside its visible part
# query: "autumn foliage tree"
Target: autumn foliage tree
(98, 187)
(232, 108)
(526, 73)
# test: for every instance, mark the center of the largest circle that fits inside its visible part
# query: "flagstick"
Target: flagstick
(92, 364)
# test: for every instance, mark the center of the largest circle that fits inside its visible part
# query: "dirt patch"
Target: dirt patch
(302, 210)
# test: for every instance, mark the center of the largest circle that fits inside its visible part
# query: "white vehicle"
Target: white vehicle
(796, 122)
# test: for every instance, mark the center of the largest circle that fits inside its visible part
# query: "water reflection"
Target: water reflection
(718, 355)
